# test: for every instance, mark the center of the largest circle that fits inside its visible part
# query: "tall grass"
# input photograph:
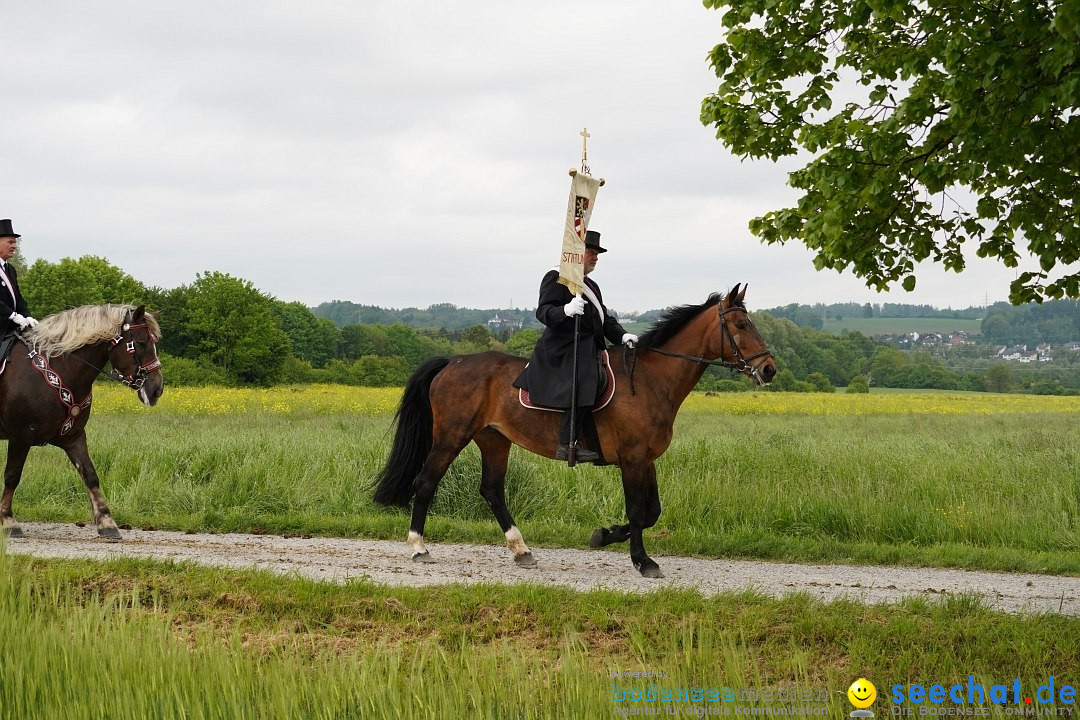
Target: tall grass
(137, 639)
(958, 480)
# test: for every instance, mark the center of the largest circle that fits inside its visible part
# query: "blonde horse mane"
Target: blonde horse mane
(72, 329)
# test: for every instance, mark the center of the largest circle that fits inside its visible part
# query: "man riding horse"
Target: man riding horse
(549, 375)
(14, 313)
(13, 309)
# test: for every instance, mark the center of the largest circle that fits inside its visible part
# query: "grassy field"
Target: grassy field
(962, 480)
(965, 480)
(135, 639)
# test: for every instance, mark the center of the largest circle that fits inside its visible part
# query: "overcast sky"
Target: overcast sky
(395, 153)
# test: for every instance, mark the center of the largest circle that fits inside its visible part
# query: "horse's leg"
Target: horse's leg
(16, 458)
(642, 510)
(495, 452)
(607, 536)
(436, 465)
(80, 458)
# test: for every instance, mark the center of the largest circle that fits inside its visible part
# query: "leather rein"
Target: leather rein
(741, 363)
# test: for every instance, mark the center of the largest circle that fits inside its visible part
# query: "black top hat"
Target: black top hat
(6, 231)
(592, 240)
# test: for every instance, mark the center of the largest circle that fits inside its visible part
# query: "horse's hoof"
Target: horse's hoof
(652, 571)
(525, 560)
(109, 533)
(424, 557)
(597, 539)
(14, 532)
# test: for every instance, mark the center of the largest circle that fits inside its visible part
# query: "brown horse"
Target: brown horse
(45, 391)
(449, 402)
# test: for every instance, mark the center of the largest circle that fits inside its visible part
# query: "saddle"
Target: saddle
(588, 431)
(607, 392)
(6, 344)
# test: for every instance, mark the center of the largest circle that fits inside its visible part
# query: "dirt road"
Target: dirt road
(336, 560)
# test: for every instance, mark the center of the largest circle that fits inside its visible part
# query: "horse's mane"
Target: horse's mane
(72, 329)
(673, 320)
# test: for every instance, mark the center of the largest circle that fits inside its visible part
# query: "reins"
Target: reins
(136, 381)
(741, 364)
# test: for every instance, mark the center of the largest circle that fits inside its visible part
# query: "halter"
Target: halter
(136, 381)
(741, 363)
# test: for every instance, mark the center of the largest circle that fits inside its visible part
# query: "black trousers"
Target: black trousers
(580, 418)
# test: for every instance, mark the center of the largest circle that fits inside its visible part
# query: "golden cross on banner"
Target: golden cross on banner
(584, 150)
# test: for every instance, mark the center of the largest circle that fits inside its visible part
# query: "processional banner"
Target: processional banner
(572, 263)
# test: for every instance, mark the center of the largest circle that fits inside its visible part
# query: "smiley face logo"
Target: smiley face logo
(862, 693)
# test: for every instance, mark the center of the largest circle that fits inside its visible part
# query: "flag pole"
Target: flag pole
(571, 447)
(582, 194)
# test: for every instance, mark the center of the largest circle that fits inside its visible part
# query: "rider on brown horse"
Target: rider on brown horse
(549, 375)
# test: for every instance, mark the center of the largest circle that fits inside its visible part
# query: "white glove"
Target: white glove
(31, 322)
(575, 307)
(21, 321)
(629, 339)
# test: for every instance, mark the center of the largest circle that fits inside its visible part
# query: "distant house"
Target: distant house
(1013, 353)
(958, 338)
(504, 322)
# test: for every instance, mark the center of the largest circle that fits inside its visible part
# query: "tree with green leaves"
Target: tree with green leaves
(52, 287)
(999, 378)
(313, 339)
(234, 326)
(931, 126)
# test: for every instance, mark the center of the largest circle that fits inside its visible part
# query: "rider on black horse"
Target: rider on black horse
(548, 377)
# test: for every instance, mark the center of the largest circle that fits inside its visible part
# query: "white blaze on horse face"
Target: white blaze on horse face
(416, 542)
(515, 542)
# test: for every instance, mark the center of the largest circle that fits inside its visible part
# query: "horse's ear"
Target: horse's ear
(742, 294)
(732, 297)
(138, 314)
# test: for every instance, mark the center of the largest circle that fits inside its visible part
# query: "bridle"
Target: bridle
(741, 363)
(65, 395)
(136, 381)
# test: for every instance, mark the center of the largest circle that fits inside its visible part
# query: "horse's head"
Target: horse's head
(741, 347)
(134, 355)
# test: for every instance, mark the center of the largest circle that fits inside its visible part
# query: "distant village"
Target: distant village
(1015, 353)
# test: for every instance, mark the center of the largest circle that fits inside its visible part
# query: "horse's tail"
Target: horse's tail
(412, 438)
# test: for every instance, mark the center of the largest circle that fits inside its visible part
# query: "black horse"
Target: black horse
(45, 390)
(450, 402)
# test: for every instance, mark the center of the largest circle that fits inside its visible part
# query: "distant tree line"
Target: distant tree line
(1054, 321)
(813, 316)
(441, 316)
(220, 329)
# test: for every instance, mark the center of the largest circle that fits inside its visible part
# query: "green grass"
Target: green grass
(137, 639)
(963, 490)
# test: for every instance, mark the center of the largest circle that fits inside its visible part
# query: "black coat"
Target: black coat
(6, 305)
(548, 376)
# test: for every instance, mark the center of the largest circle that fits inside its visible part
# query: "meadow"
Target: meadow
(964, 480)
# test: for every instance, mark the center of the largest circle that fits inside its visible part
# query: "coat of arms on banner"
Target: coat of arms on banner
(581, 216)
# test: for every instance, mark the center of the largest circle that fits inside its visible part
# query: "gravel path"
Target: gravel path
(336, 560)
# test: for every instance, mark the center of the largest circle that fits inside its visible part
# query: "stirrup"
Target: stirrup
(582, 455)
